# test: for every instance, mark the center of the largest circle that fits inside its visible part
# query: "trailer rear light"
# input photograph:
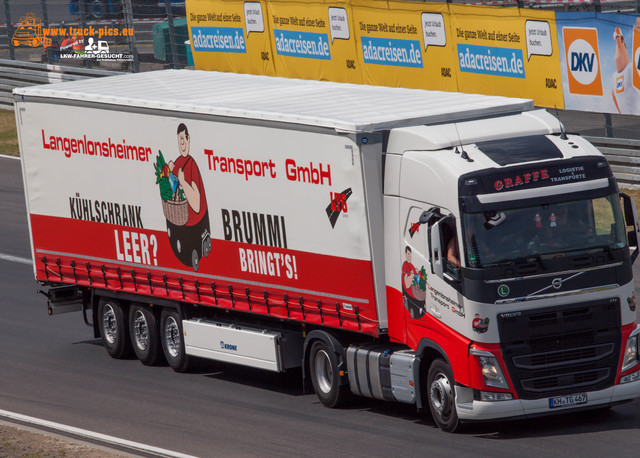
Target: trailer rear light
(630, 352)
(491, 371)
(632, 377)
(493, 397)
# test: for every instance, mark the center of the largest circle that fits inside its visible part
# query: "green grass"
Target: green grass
(8, 134)
(635, 193)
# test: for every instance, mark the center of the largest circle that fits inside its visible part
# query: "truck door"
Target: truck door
(414, 261)
(430, 278)
(444, 301)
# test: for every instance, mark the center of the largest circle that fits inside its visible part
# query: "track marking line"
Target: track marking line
(93, 435)
(8, 257)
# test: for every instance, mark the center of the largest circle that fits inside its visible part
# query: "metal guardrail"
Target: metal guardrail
(15, 73)
(623, 155)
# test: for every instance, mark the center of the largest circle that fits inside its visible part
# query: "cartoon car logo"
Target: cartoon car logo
(29, 33)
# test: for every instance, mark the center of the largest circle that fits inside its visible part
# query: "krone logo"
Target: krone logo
(583, 61)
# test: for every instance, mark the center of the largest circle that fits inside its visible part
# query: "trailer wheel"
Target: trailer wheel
(440, 384)
(145, 339)
(323, 366)
(113, 328)
(172, 338)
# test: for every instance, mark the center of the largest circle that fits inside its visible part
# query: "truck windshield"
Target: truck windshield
(546, 231)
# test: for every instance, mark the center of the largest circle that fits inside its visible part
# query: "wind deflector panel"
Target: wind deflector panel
(520, 149)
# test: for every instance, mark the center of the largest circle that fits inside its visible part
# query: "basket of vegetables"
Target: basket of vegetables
(174, 204)
(419, 285)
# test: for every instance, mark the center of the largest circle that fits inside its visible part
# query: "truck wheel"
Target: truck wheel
(145, 339)
(440, 384)
(113, 328)
(172, 338)
(323, 366)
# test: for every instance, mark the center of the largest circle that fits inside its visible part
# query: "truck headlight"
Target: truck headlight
(630, 358)
(491, 371)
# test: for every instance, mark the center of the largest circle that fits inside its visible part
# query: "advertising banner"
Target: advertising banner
(404, 44)
(230, 36)
(313, 40)
(507, 51)
(600, 62)
(565, 60)
(218, 203)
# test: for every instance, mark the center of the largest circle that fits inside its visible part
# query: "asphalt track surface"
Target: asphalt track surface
(51, 368)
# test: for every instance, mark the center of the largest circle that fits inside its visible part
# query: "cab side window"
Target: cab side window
(450, 247)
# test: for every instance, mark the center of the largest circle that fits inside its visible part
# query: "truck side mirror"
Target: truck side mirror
(631, 219)
(429, 216)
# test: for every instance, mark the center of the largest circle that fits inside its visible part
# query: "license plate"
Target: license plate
(568, 401)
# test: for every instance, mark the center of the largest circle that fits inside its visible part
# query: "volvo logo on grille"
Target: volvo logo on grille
(557, 283)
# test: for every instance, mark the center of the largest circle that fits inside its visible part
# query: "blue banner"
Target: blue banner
(389, 51)
(489, 60)
(600, 61)
(218, 39)
(309, 45)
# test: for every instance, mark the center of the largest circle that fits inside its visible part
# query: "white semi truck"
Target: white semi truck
(458, 252)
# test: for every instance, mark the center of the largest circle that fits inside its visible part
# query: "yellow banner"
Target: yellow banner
(438, 46)
(313, 40)
(507, 51)
(230, 36)
(404, 44)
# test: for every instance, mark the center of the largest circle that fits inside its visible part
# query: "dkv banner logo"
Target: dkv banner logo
(583, 60)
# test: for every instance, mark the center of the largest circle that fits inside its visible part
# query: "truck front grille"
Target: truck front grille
(572, 381)
(561, 350)
(563, 357)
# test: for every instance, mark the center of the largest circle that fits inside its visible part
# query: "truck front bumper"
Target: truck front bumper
(472, 410)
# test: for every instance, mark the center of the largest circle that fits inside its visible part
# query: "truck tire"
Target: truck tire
(172, 338)
(323, 367)
(441, 394)
(113, 328)
(145, 338)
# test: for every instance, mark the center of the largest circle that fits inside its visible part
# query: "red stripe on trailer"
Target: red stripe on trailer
(328, 290)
